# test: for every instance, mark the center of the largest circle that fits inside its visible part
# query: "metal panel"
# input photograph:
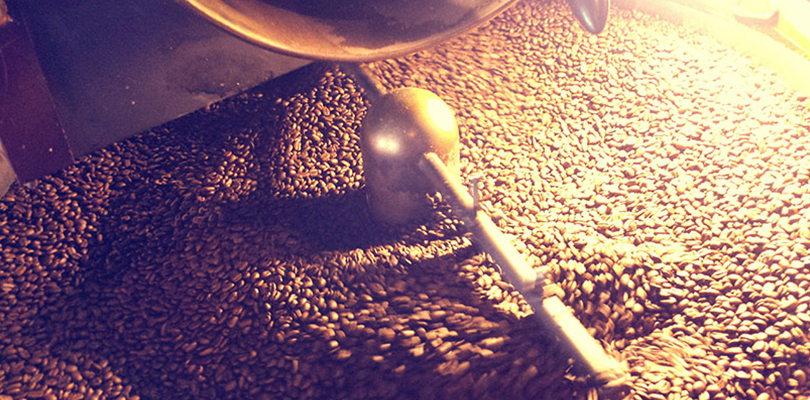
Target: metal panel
(115, 69)
(34, 140)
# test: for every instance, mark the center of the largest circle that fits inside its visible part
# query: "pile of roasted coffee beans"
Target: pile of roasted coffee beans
(657, 177)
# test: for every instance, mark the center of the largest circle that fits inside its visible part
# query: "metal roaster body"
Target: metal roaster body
(76, 77)
(364, 30)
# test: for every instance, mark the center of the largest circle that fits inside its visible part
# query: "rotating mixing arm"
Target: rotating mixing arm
(410, 134)
(602, 370)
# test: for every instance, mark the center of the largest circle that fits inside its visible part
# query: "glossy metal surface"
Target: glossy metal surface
(77, 76)
(592, 14)
(4, 17)
(33, 138)
(343, 30)
(401, 126)
(6, 173)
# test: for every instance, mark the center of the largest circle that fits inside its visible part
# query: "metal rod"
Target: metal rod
(476, 193)
(491, 239)
(601, 369)
(370, 84)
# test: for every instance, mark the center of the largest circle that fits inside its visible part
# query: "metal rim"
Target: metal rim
(231, 16)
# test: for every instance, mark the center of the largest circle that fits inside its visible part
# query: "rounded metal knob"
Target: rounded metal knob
(591, 14)
(400, 127)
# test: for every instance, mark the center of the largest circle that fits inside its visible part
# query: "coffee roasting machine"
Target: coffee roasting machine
(409, 139)
(75, 78)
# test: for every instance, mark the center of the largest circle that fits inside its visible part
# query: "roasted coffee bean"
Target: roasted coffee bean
(657, 177)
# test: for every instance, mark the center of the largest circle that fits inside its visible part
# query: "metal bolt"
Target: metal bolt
(474, 191)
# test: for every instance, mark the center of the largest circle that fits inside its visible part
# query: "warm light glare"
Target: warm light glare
(440, 114)
(387, 144)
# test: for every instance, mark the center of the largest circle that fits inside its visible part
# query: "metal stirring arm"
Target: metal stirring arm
(601, 369)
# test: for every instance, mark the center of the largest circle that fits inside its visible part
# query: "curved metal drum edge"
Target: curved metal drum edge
(345, 38)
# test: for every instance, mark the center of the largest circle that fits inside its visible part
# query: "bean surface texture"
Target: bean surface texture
(659, 178)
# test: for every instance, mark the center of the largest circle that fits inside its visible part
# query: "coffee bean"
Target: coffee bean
(656, 176)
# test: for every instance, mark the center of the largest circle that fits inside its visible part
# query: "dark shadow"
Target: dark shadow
(335, 222)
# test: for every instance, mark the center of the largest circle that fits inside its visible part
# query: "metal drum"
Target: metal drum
(363, 30)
